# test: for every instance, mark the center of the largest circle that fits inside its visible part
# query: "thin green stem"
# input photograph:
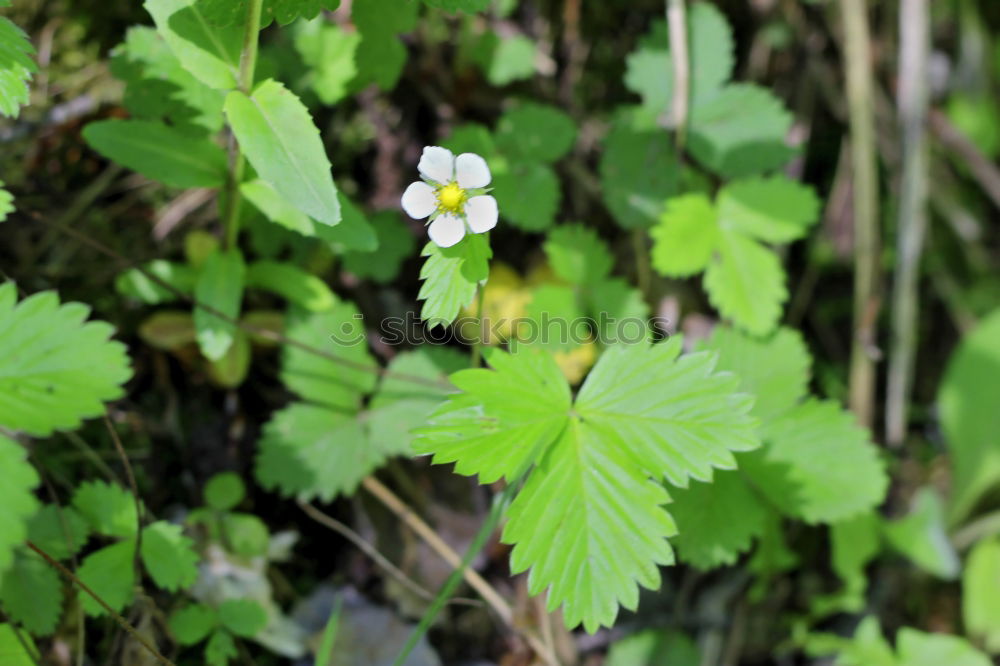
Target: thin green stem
(248, 69)
(477, 344)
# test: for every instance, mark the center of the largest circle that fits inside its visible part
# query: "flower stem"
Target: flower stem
(248, 67)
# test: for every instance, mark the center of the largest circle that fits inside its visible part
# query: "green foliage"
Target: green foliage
(921, 536)
(980, 602)
(16, 496)
(279, 139)
(451, 276)
(578, 255)
(243, 617)
(16, 68)
(56, 369)
(108, 509)
(219, 287)
(159, 151)
(210, 53)
(220, 649)
(192, 624)
(6, 203)
(169, 556)
(330, 53)
(744, 279)
(226, 13)
(394, 245)
(653, 647)
(109, 572)
(135, 283)
(59, 531)
(913, 648)
(459, 5)
(224, 491)
(597, 462)
(527, 194)
(291, 283)
(31, 593)
(967, 402)
(16, 649)
(536, 133)
(855, 543)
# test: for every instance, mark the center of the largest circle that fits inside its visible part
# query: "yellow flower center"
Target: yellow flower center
(451, 198)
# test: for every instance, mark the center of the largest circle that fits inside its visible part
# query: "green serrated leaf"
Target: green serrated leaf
(16, 68)
(191, 624)
(224, 13)
(59, 531)
(330, 53)
(56, 368)
(16, 496)
(224, 491)
(451, 276)
(553, 320)
(685, 237)
(980, 602)
(31, 593)
(638, 173)
(244, 617)
(220, 287)
(921, 536)
(291, 283)
(110, 574)
(774, 210)
(527, 194)
(746, 283)
(211, 53)
(535, 132)
(279, 138)
(159, 151)
(169, 556)
(578, 255)
(108, 509)
(635, 421)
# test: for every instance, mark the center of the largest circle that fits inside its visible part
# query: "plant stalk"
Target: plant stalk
(677, 28)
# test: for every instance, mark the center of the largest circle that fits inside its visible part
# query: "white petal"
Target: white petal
(419, 200)
(481, 212)
(471, 171)
(446, 230)
(437, 164)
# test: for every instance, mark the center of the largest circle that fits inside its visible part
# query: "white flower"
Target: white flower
(452, 194)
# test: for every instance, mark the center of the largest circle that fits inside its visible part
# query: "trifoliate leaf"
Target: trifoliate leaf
(292, 283)
(220, 287)
(59, 531)
(922, 538)
(220, 648)
(818, 464)
(980, 601)
(774, 370)
(108, 509)
(459, 5)
(638, 173)
(774, 210)
(135, 284)
(513, 59)
(224, 491)
(642, 415)
(16, 496)
(451, 276)
(741, 131)
(917, 648)
(746, 283)
(685, 237)
(169, 556)
(16, 648)
(31, 593)
(535, 132)
(191, 624)
(280, 140)
(243, 617)
(109, 572)
(527, 194)
(395, 244)
(209, 52)
(654, 647)
(16, 67)
(968, 406)
(578, 255)
(330, 52)
(716, 521)
(650, 70)
(340, 333)
(56, 369)
(159, 151)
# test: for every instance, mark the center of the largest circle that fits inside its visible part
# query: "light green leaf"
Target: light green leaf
(855, 542)
(619, 310)
(56, 369)
(642, 415)
(980, 600)
(922, 538)
(513, 59)
(6, 203)
(243, 617)
(968, 406)
(746, 283)
(774, 210)
(220, 648)
(13, 646)
(276, 208)
(108, 509)
(553, 320)
(31, 593)
(917, 648)
(578, 255)
(278, 136)
(685, 237)
(59, 531)
(450, 278)
(716, 521)
(535, 132)
(247, 534)
(224, 491)
(867, 648)
(291, 283)
(638, 173)
(231, 370)
(110, 574)
(191, 624)
(654, 647)
(818, 464)
(135, 284)
(338, 332)
(459, 5)
(16, 68)
(159, 151)
(220, 287)
(209, 52)
(16, 496)
(329, 52)
(169, 556)
(394, 245)
(527, 194)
